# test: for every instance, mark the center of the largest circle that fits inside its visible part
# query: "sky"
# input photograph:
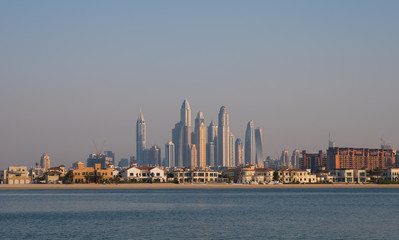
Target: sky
(76, 71)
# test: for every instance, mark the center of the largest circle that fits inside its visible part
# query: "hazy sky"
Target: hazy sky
(76, 71)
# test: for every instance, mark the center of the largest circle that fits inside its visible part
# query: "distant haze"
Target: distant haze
(76, 71)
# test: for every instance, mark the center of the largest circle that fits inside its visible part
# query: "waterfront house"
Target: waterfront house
(94, 174)
(16, 175)
(144, 173)
(391, 174)
(249, 174)
(349, 175)
(290, 175)
(196, 175)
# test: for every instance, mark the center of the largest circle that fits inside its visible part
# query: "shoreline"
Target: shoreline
(185, 186)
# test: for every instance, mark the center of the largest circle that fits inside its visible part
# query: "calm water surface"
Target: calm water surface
(200, 214)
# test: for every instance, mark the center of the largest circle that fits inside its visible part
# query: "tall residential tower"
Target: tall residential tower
(250, 150)
(223, 138)
(259, 145)
(45, 161)
(200, 140)
(140, 138)
(181, 136)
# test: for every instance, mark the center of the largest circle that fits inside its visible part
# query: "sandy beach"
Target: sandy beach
(186, 186)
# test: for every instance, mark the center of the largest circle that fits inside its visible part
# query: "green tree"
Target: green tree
(276, 176)
(68, 178)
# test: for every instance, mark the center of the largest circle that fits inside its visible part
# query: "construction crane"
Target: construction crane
(99, 151)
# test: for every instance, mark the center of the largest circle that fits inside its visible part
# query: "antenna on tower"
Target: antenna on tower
(331, 144)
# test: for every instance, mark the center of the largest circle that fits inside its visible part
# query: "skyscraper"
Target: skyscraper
(250, 151)
(155, 156)
(193, 163)
(185, 124)
(232, 152)
(239, 152)
(45, 161)
(284, 158)
(212, 145)
(200, 139)
(223, 138)
(210, 154)
(212, 132)
(295, 158)
(140, 138)
(111, 155)
(181, 136)
(177, 138)
(170, 154)
(259, 145)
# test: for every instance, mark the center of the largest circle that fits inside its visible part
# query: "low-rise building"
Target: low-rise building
(36, 174)
(291, 175)
(196, 176)
(16, 175)
(249, 174)
(144, 173)
(349, 175)
(54, 174)
(94, 174)
(391, 174)
(324, 176)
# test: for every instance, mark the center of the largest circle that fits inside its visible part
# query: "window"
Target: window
(158, 174)
(131, 174)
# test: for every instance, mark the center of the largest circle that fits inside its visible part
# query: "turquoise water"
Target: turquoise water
(200, 214)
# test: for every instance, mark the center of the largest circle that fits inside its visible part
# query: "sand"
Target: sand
(186, 186)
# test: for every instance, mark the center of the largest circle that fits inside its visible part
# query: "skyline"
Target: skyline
(76, 72)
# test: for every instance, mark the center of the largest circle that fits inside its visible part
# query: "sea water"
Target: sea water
(200, 214)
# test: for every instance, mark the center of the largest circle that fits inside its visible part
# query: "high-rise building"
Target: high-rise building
(155, 156)
(250, 150)
(232, 151)
(284, 159)
(185, 124)
(360, 158)
(45, 161)
(123, 163)
(95, 158)
(145, 157)
(239, 152)
(295, 158)
(200, 139)
(210, 154)
(177, 139)
(170, 154)
(223, 138)
(212, 132)
(111, 155)
(181, 136)
(259, 145)
(313, 161)
(140, 138)
(211, 150)
(193, 163)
